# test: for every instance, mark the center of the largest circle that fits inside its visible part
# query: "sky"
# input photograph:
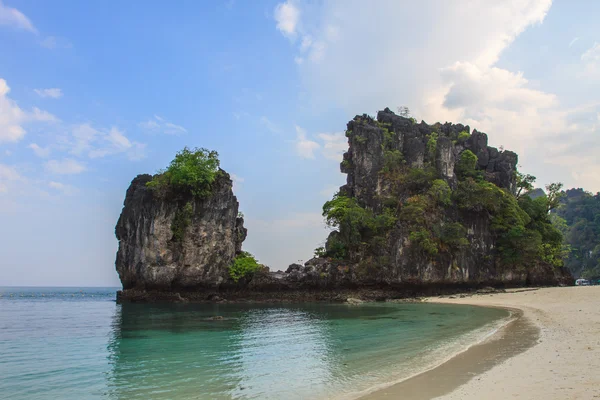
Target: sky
(93, 93)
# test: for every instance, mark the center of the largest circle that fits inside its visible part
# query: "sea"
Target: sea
(78, 343)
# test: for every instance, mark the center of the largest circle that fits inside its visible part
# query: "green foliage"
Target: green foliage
(554, 194)
(440, 192)
(453, 234)
(389, 138)
(360, 139)
(418, 179)
(393, 160)
(356, 225)
(182, 219)
(524, 183)
(320, 252)
(422, 241)
(336, 249)
(412, 120)
(465, 167)
(348, 133)
(244, 265)
(477, 196)
(191, 171)
(432, 144)
(414, 210)
(463, 136)
(240, 214)
(579, 219)
(346, 165)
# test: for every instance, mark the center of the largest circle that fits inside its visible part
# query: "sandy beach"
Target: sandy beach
(551, 352)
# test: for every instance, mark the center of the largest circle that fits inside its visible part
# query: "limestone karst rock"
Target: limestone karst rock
(151, 256)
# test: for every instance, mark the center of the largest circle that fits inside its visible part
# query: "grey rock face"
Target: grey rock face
(397, 264)
(150, 257)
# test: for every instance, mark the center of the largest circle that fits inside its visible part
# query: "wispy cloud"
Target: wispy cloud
(159, 124)
(592, 54)
(64, 188)
(287, 16)
(98, 143)
(7, 174)
(270, 125)
(13, 118)
(39, 151)
(53, 42)
(572, 42)
(54, 93)
(14, 18)
(67, 166)
(304, 147)
(334, 145)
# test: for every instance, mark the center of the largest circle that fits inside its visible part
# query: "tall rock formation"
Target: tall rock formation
(415, 211)
(177, 241)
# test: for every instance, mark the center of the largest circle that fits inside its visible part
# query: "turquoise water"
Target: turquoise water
(79, 344)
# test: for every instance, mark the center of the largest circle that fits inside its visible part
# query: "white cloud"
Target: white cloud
(7, 174)
(159, 124)
(88, 141)
(40, 151)
(572, 42)
(329, 191)
(304, 147)
(67, 166)
(592, 54)
(64, 188)
(237, 180)
(270, 125)
(12, 117)
(334, 145)
(287, 15)
(14, 18)
(54, 93)
(442, 73)
(42, 116)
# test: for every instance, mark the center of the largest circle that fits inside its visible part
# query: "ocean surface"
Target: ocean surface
(77, 343)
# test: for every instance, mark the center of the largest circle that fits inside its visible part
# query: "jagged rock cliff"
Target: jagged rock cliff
(398, 169)
(177, 241)
(426, 209)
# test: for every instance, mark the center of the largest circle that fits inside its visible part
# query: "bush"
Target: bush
(191, 171)
(432, 145)
(463, 136)
(393, 160)
(182, 219)
(465, 167)
(440, 192)
(454, 235)
(243, 266)
(423, 242)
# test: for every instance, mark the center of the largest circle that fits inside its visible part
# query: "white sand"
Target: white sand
(565, 364)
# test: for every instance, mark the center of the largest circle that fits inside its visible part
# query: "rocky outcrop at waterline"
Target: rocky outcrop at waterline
(427, 209)
(177, 241)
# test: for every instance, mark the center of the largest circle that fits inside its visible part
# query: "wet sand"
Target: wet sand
(551, 351)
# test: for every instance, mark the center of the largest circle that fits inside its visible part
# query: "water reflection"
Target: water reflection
(231, 351)
(183, 351)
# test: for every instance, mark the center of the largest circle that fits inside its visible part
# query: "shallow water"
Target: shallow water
(78, 343)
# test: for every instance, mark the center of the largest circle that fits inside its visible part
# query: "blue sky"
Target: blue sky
(93, 93)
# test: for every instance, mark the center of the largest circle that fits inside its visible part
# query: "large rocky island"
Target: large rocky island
(426, 209)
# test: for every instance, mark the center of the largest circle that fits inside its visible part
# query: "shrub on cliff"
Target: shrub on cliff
(243, 266)
(192, 171)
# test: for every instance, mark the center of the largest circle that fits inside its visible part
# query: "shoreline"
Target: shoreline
(556, 324)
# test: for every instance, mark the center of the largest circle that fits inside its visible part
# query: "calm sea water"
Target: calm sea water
(66, 343)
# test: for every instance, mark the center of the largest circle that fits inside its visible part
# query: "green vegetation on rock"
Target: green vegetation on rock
(192, 171)
(182, 219)
(579, 219)
(244, 265)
